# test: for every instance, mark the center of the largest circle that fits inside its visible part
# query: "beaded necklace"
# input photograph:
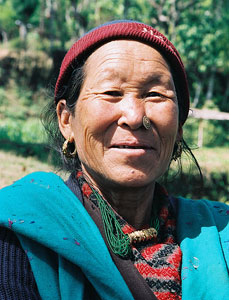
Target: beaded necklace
(158, 260)
(119, 242)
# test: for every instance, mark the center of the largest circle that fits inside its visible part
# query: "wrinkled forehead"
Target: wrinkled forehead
(121, 58)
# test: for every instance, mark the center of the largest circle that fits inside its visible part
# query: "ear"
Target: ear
(64, 119)
(179, 133)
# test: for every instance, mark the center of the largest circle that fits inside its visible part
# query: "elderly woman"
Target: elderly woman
(111, 231)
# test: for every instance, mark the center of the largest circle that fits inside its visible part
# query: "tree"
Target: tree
(7, 21)
(27, 15)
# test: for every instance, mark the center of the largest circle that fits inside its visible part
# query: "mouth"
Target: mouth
(132, 147)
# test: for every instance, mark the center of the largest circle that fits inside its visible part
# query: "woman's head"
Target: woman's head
(108, 81)
(124, 81)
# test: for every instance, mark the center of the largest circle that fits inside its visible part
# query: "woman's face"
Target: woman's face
(124, 81)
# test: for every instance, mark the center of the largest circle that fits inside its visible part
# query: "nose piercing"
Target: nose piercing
(146, 122)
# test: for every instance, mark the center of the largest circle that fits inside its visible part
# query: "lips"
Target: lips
(132, 144)
(130, 147)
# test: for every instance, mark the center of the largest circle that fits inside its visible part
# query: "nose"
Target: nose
(131, 112)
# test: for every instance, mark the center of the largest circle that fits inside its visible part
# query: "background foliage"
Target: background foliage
(199, 29)
(35, 34)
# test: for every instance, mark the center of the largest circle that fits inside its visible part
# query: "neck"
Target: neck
(133, 204)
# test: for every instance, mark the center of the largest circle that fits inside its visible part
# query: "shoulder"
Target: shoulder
(32, 179)
(202, 232)
(35, 185)
(38, 196)
(192, 215)
(203, 207)
(31, 182)
(32, 191)
(41, 203)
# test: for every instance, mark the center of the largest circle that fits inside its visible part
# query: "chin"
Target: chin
(122, 178)
(133, 180)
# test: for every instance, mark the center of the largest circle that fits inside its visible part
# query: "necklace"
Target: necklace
(119, 242)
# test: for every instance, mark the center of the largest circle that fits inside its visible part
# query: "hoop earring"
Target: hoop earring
(66, 151)
(177, 150)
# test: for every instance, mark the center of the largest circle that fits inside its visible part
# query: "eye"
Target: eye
(113, 93)
(154, 94)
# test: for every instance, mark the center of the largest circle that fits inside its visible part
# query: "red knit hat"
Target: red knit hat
(129, 30)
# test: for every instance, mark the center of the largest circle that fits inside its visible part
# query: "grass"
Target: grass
(214, 164)
(14, 166)
(213, 159)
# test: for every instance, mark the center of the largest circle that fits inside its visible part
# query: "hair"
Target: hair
(70, 93)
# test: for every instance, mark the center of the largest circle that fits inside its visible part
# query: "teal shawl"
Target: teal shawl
(64, 245)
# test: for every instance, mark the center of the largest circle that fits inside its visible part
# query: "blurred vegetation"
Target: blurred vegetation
(214, 163)
(35, 34)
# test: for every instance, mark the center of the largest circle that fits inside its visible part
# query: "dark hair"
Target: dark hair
(70, 93)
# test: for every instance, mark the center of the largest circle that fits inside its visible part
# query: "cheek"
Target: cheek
(166, 124)
(169, 127)
(84, 138)
(95, 115)
(165, 117)
(89, 127)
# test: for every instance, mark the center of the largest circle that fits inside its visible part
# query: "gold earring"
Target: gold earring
(66, 151)
(177, 150)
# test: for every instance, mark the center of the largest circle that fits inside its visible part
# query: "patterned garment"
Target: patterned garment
(158, 260)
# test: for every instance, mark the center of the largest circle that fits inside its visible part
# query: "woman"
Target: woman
(111, 231)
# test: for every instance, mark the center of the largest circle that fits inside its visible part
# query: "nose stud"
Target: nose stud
(146, 122)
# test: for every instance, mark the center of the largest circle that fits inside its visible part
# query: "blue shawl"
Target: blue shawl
(64, 245)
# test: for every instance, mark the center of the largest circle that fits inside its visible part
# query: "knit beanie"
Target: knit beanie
(128, 30)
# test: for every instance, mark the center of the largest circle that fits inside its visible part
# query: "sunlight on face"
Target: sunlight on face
(124, 81)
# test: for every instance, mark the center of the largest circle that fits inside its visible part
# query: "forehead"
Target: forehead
(126, 57)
